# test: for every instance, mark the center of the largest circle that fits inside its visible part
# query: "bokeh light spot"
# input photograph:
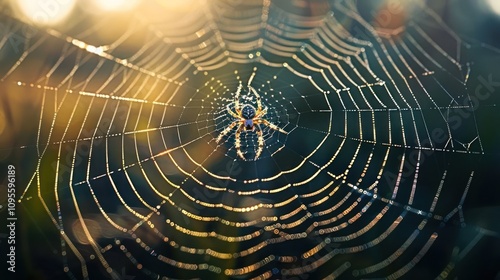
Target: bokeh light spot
(115, 5)
(494, 5)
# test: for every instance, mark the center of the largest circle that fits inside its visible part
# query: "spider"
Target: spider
(248, 118)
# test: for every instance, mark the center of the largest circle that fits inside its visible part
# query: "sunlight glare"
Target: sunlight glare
(181, 5)
(43, 12)
(115, 5)
(494, 5)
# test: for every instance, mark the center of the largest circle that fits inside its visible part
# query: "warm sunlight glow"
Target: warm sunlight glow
(494, 5)
(180, 5)
(115, 5)
(43, 12)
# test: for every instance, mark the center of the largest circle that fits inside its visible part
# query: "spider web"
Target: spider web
(369, 182)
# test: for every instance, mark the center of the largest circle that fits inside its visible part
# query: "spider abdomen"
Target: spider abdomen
(248, 112)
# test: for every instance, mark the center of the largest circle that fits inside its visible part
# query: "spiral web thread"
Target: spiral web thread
(129, 132)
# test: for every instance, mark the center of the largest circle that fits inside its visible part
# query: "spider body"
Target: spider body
(247, 118)
(248, 113)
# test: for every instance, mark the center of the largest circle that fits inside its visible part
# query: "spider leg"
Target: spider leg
(234, 114)
(260, 114)
(226, 131)
(237, 106)
(270, 125)
(259, 102)
(260, 142)
(237, 144)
